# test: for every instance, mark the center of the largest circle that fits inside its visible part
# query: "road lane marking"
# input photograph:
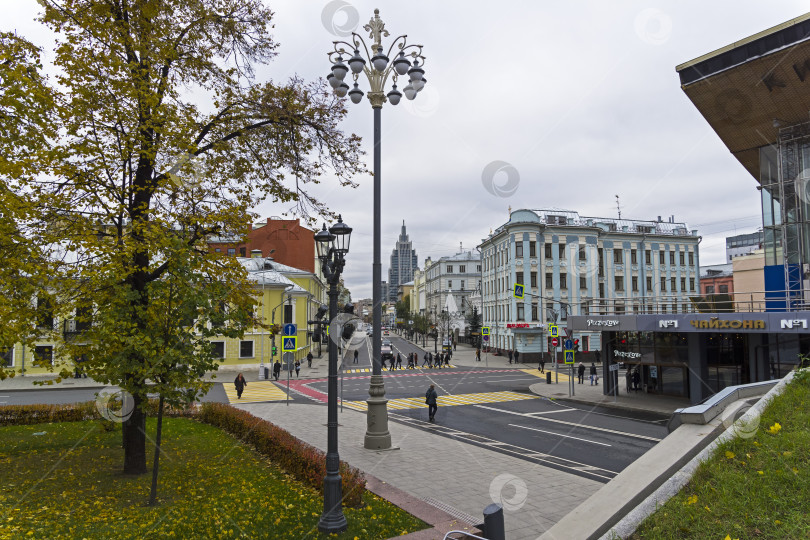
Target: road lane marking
(447, 400)
(574, 424)
(550, 412)
(559, 434)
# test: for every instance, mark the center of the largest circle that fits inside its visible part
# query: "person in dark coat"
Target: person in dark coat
(430, 398)
(297, 368)
(510, 356)
(309, 359)
(425, 361)
(598, 357)
(542, 363)
(356, 354)
(477, 355)
(628, 379)
(240, 383)
(581, 372)
(276, 369)
(447, 360)
(593, 374)
(636, 380)
(399, 361)
(517, 356)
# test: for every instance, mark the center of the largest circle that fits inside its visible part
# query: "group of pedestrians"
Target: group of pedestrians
(438, 360)
(514, 355)
(632, 380)
(594, 375)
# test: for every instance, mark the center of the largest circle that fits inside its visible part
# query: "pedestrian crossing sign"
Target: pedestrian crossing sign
(554, 330)
(485, 330)
(518, 291)
(288, 343)
(569, 357)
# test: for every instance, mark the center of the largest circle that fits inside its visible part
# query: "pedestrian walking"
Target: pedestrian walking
(399, 361)
(594, 376)
(240, 383)
(430, 399)
(517, 355)
(277, 369)
(454, 345)
(297, 368)
(356, 354)
(636, 380)
(425, 361)
(628, 379)
(581, 372)
(542, 363)
(309, 359)
(410, 360)
(393, 365)
(510, 355)
(477, 355)
(447, 360)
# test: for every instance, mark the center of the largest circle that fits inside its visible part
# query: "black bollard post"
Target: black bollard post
(493, 522)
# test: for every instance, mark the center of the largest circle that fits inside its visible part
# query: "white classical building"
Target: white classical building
(449, 281)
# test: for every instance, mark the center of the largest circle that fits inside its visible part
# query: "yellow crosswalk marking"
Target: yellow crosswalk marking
(446, 401)
(536, 373)
(368, 370)
(256, 391)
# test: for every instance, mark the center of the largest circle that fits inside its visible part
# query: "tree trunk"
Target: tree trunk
(153, 492)
(135, 440)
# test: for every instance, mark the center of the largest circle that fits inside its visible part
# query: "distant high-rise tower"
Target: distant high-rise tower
(403, 263)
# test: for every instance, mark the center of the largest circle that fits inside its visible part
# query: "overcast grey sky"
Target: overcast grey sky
(581, 98)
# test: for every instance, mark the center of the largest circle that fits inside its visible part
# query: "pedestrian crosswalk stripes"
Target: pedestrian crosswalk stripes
(255, 392)
(368, 370)
(446, 401)
(536, 372)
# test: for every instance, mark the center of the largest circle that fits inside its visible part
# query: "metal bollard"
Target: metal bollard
(548, 377)
(493, 522)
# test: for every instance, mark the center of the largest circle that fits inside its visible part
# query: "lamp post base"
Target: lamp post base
(377, 435)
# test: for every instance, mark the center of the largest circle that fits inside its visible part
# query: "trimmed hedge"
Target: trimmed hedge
(303, 461)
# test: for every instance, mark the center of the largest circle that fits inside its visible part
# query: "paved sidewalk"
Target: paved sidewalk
(457, 477)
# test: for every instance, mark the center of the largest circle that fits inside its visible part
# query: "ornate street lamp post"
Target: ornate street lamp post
(377, 67)
(333, 245)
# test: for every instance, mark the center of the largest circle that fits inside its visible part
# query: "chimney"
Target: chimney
(659, 219)
(255, 254)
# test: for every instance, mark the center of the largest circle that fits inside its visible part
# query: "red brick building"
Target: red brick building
(717, 279)
(285, 240)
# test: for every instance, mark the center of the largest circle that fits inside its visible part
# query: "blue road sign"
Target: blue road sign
(554, 330)
(486, 338)
(290, 330)
(518, 291)
(569, 357)
(288, 343)
(485, 330)
(569, 344)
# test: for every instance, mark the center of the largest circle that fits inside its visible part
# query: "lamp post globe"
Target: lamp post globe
(374, 63)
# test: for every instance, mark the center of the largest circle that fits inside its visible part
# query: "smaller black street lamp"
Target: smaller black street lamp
(333, 245)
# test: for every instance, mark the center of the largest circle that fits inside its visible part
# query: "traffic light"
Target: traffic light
(348, 330)
(576, 345)
(348, 308)
(321, 312)
(316, 334)
(273, 350)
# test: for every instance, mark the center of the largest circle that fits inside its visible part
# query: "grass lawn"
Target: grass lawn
(757, 487)
(63, 480)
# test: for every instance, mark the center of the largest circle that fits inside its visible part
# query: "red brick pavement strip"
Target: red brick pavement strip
(441, 521)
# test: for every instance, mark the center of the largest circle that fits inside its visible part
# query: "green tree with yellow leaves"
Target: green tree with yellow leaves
(161, 135)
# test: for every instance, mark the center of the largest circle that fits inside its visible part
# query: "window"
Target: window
(532, 249)
(691, 258)
(562, 251)
(449, 268)
(601, 290)
(44, 312)
(548, 251)
(583, 283)
(661, 256)
(617, 256)
(242, 252)
(232, 251)
(521, 312)
(633, 258)
(581, 252)
(217, 250)
(288, 314)
(519, 278)
(671, 257)
(518, 250)
(478, 268)
(462, 284)
(723, 289)
(533, 276)
(649, 285)
(672, 285)
(692, 284)
(7, 358)
(663, 284)
(534, 312)
(449, 283)
(246, 349)
(218, 349)
(647, 257)
(618, 283)
(634, 283)
(462, 269)
(683, 284)
(43, 354)
(549, 281)
(563, 281)
(681, 258)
